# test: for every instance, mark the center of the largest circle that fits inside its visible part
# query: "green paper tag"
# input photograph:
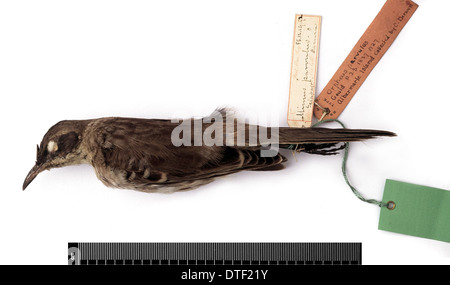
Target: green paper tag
(419, 211)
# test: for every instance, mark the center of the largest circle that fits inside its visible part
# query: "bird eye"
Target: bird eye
(52, 146)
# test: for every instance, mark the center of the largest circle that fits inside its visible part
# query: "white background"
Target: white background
(158, 59)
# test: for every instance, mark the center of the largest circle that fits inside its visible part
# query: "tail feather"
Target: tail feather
(325, 135)
(288, 135)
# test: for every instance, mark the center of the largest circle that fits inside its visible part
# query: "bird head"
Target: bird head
(59, 147)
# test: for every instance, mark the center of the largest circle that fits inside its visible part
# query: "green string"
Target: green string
(344, 169)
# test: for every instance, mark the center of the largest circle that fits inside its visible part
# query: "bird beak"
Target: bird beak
(32, 174)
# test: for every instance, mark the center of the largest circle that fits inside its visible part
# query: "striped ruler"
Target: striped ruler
(232, 254)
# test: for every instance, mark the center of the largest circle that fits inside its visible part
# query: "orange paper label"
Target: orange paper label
(364, 56)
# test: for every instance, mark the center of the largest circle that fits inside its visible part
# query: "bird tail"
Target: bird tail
(289, 135)
(314, 139)
(324, 141)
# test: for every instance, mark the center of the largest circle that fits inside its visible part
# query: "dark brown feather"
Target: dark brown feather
(142, 152)
(139, 153)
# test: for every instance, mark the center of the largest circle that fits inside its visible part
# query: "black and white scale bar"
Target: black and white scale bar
(215, 253)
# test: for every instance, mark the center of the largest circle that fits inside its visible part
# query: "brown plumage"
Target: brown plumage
(139, 153)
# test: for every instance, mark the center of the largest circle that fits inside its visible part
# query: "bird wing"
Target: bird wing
(142, 152)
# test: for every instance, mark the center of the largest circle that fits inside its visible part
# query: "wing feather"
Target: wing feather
(140, 151)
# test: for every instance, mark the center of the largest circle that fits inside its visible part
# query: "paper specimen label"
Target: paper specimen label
(305, 52)
(363, 57)
(419, 211)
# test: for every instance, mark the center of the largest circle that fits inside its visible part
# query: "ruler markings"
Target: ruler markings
(219, 253)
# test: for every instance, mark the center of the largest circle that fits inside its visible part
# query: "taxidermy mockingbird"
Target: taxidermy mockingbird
(148, 154)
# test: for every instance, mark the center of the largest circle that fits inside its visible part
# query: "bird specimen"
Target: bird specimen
(151, 155)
